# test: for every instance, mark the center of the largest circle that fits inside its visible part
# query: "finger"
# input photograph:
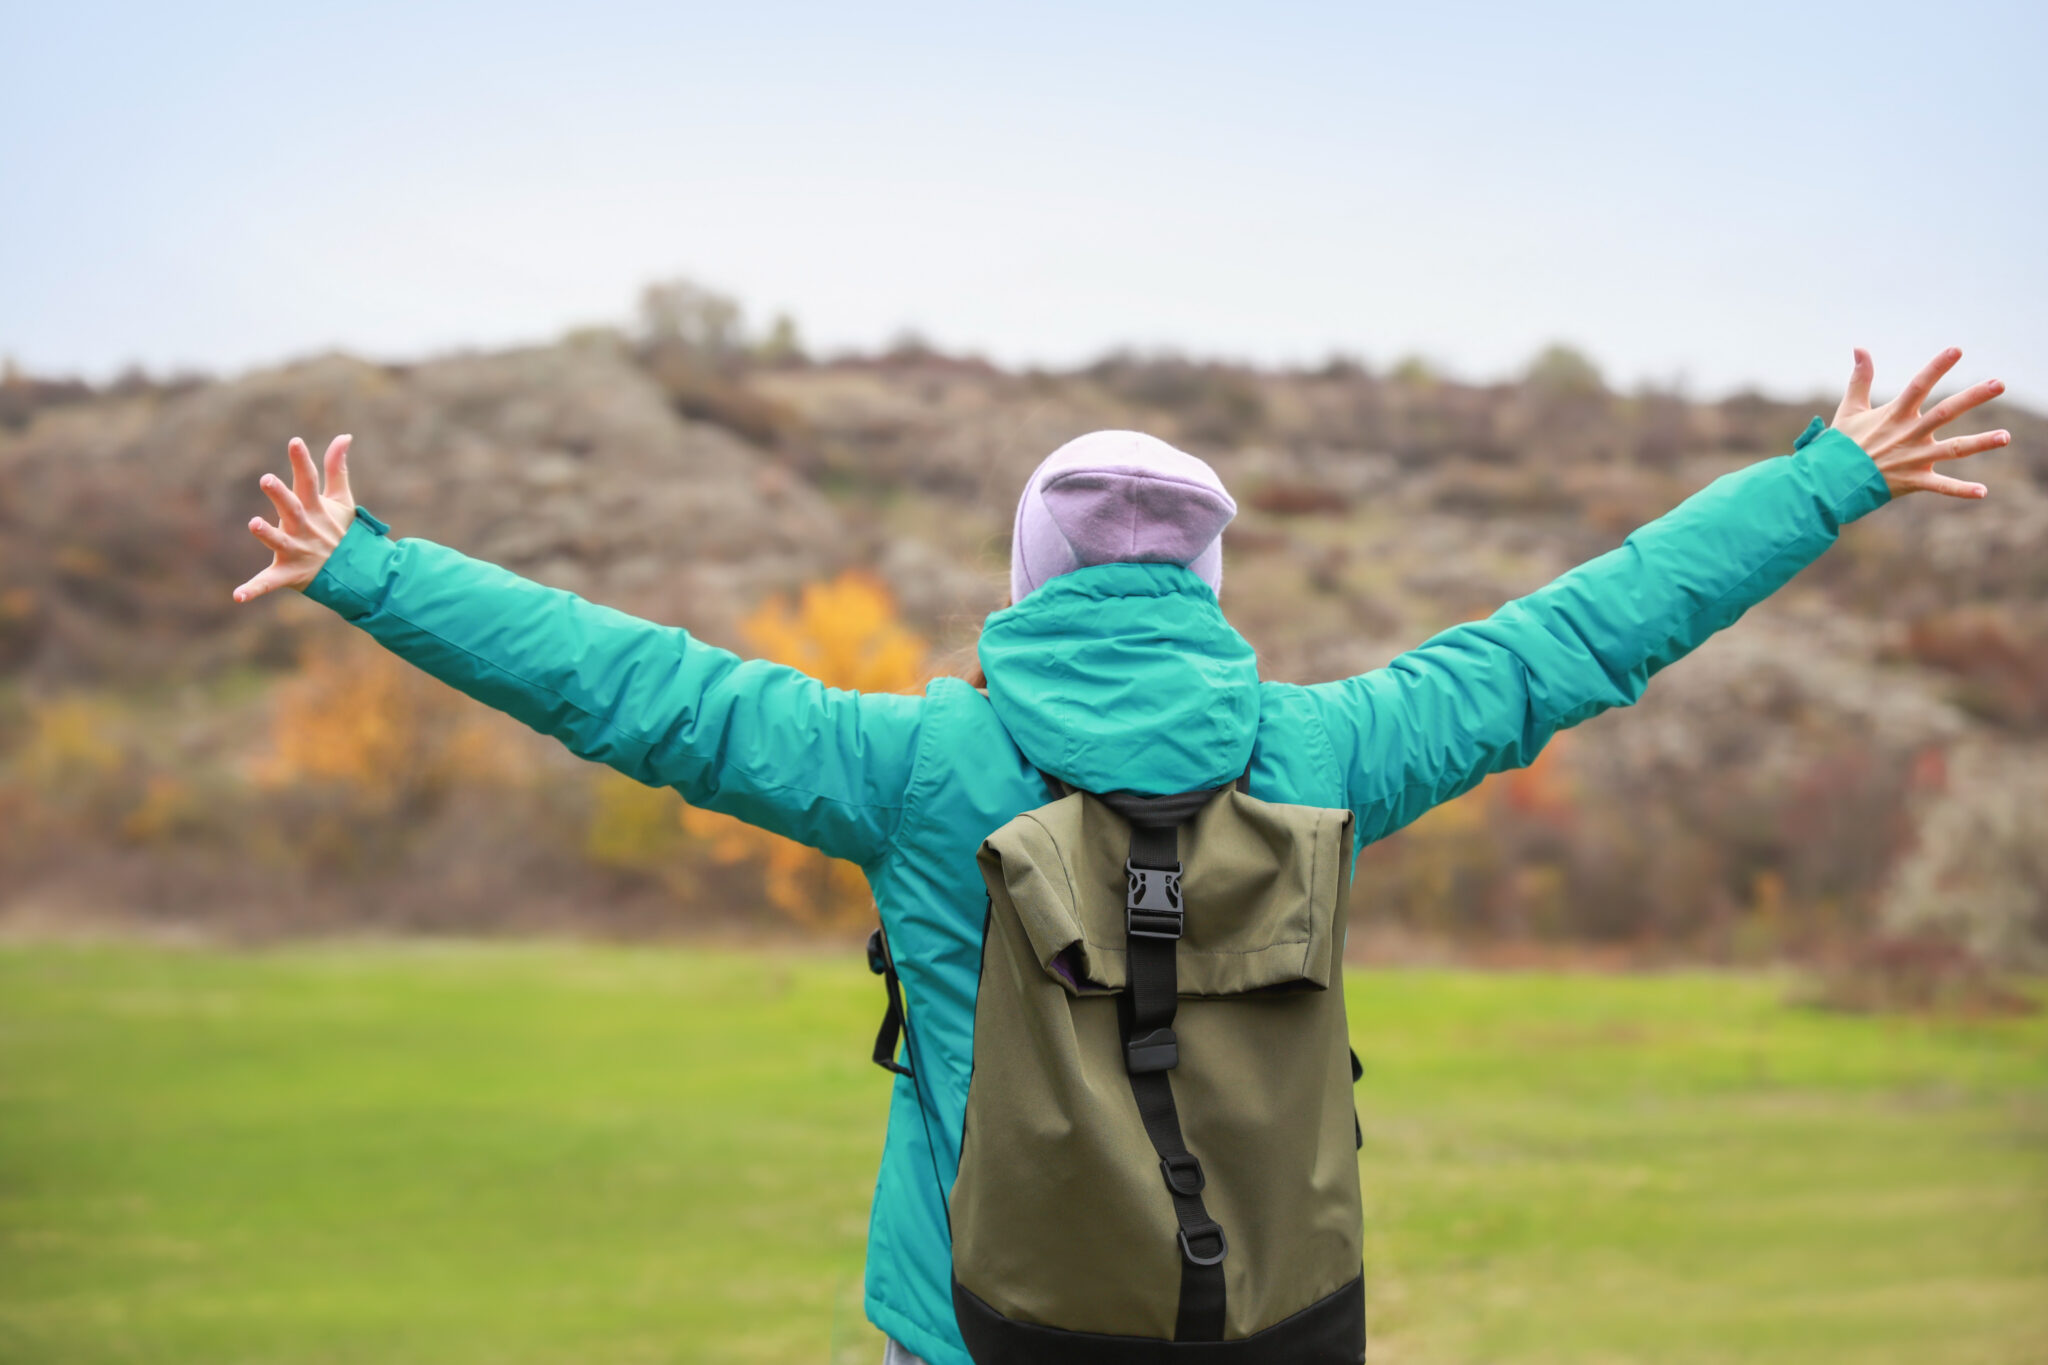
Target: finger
(1915, 393)
(270, 535)
(305, 478)
(291, 513)
(1947, 487)
(1961, 447)
(1861, 372)
(336, 462)
(1956, 404)
(270, 580)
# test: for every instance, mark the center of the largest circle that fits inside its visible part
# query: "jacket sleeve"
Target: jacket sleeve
(757, 740)
(1488, 695)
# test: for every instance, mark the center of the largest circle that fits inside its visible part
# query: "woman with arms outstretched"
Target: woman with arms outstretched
(1114, 668)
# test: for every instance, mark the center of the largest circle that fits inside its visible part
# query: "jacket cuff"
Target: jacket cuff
(346, 582)
(1848, 480)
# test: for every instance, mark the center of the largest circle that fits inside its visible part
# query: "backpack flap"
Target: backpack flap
(1262, 882)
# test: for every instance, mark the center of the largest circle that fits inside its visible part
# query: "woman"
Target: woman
(1114, 668)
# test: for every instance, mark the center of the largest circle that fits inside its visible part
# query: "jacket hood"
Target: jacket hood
(1124, 677)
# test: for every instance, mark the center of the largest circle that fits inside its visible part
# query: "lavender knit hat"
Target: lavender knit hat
(1118, 497)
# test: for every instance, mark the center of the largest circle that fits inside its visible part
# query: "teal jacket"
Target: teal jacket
(1118, 676)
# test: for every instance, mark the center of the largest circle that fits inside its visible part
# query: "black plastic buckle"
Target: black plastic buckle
(1205, 1231)
(1158, 1050)
(1183, 1175)
(1152, 905)
(878, 958)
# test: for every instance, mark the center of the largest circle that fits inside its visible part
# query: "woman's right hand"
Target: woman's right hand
(1899, 437)
(310, 520)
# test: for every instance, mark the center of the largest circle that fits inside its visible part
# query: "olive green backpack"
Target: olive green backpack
(1159, 1158)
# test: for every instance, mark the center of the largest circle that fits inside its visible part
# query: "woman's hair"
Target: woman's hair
(974, 675)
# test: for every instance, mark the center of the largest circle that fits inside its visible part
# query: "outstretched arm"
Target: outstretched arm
(757, 740)
(1489, 694)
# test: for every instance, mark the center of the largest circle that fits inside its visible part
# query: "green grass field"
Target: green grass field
(583, 1154)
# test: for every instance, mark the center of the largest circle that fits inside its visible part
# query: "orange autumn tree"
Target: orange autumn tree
(362, 720)
(845, 633)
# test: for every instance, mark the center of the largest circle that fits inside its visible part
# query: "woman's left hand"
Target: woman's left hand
(311, 520)
(1900, 437)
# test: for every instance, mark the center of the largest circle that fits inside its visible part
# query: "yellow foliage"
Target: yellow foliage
(845, 633)
(168, 807)
(633, 826)
(347, 717)
(362, 718)
(81, 561)
(815, 891)
(76, 768)
(70, 741)
(473, 749)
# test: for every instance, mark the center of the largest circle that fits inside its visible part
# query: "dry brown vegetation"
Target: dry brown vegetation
(1814, 779)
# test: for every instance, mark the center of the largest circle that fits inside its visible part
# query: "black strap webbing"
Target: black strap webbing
(1357, 1072)
(1153, 919)
(880, 963)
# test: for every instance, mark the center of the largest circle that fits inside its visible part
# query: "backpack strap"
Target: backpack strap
(1153, 919)
(1357, 1074)
(882, 965)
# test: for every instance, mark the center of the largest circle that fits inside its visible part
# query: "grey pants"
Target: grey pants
(896, 1355)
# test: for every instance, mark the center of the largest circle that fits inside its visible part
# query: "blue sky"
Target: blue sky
(1719, 195)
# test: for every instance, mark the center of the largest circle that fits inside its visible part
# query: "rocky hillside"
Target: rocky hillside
(1820, 767)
